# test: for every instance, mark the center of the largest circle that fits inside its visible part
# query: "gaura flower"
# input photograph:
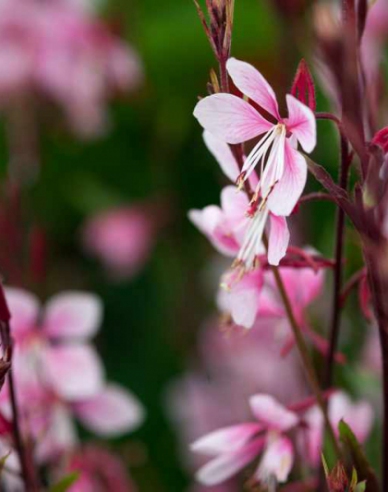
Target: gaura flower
(359, 416)
(232, 448)
(99, 470)
(283, 169)
(59, 375)
(231, 228)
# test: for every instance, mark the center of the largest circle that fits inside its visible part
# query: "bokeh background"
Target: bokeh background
(153, 152)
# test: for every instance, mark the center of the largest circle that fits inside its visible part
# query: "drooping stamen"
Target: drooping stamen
(252, 244)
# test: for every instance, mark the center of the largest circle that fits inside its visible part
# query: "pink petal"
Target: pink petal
(242, 299)
(223, 154)
(60, 435)
(234, 203)
(230, 118)
(24, 308)
(114, 411)
(313, 436)
(251, 83)
(74, 371)
(301, 122)
(359, 416)
(271, 413)
(227, 439)
(225, 466)
(212, 222)
(72, 315)
(277, 460)
(288, 190)
(279, 238)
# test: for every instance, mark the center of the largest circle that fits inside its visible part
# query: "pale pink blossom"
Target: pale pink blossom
(232, 448)
(121, 238)
(233, 120)
(59, 375)
(359, 416)
(64, 53)
(233, 228)
(234, 234)
(375, 35)
(99, 470)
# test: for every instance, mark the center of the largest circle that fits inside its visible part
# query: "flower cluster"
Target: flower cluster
(61, 50)
(59, 377)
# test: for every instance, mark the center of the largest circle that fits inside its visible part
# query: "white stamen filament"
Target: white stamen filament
(252, 244)
(269, 152)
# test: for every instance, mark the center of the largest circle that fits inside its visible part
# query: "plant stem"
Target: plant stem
(305, 357)
(378, 281)
(338, 270)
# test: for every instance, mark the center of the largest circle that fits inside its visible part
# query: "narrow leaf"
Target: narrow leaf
(364, 470)
(65, 483)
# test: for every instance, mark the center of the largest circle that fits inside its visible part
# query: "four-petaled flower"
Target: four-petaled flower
(283, 170)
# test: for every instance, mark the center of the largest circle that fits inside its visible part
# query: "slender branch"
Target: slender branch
(378, 281)
(304, 355)
(338, 270)
(17, 433)
(351, 283)
(316, 195)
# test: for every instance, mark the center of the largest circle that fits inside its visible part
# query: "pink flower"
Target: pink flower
(233, 120)
(256, 295)
(232, 448)
(63, 52)
(230, 228)
(122, 238)
(359, 416)
(99, 470)
(58, 373)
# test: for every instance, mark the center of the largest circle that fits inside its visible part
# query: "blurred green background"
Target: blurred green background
(155, 149)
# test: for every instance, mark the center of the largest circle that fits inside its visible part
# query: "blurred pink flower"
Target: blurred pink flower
(63, 52)
(59, 375)
(375, 35)
(121, 238)
(236, 446)
(215, 395)
(99, 471)
(359, 416)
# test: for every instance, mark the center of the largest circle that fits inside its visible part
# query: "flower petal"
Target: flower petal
(60, 435)
(277, 460)
(288, 190)
(112, 412)
(242, 299)
(223, 155)
(359, 416)
(301, 122)
(225, 466)
(251, 83)
(230, 118)
(271, 413)
(24, 308)
(212, 223)
(229, 438)
(72, 315)
(75, 371)
(279, 238)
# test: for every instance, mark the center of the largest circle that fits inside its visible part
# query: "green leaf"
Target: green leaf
(364, 470)
(325, 467)
(65, 483)
(360, 487)
(354, 480)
